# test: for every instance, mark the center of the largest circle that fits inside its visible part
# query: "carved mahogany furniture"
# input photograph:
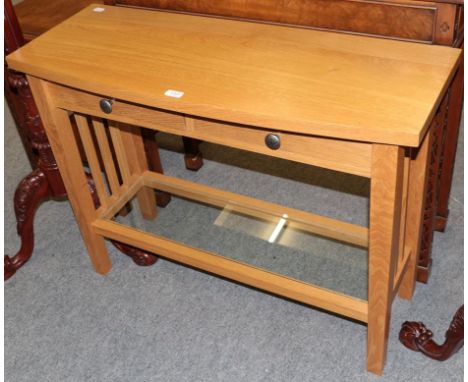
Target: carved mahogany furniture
(415, 336)
(44, 182)
(335, 111)
(434, 22)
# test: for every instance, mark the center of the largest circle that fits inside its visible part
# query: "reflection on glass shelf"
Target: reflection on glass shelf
(274, 243)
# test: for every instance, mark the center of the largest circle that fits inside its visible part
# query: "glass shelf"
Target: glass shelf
(277, 243)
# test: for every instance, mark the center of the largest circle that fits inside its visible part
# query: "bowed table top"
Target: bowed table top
(284, 78)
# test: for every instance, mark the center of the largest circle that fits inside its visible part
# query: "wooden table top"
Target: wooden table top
(291, 79)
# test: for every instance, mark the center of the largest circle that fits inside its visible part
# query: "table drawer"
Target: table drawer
(347, 156)
(408, 20)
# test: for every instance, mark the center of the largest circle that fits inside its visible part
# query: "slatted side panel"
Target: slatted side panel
(106, 153)
(92, 158)
(107, 156)
(120, 150)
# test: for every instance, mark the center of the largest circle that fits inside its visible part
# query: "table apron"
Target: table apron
(335, 154)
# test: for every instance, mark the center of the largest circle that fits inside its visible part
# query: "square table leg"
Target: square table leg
(62, 140)
(384, 228)
(418, 174)
(134, 144)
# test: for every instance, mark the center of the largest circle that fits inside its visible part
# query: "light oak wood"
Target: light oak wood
(280, 285)
(384, 229)
(120, 150)
(346, 156)
(339, 155)
(106, 153)
(92, 158)
(417, 186)
(133, 146)
(401, 271)
(62, 140)
(320, 225)
(289, 79)
(126, 193)
(404, 204)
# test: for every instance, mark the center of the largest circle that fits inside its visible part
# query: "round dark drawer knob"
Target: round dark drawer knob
(106, 105)
(273, 141)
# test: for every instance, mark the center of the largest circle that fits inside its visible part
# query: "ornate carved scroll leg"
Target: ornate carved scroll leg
(193, 156)
(415, 336)
(31, 191)
(139, 257)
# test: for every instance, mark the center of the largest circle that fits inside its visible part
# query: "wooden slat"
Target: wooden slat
(120, 150)
(108, 160)
(93, 161)
(319, 225)
(280, 285)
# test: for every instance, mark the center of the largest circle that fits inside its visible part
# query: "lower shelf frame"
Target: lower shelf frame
(309, 294)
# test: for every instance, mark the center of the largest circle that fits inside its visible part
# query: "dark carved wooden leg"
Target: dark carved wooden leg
(139, 257)
(13, 39)
(193, 156)
(455, 107)
(432, 193)
(415, 336)
(43, 183)
(31, 191)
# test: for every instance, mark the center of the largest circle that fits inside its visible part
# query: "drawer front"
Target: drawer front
(88, 103)
(408, 20)
(346, 156)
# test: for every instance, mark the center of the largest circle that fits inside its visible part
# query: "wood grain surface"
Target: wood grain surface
(384, 238)
(347, 156)
(38, 16)
(290, 79)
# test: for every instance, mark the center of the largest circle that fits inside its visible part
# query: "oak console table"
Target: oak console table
(314, 97)
(437, 22)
